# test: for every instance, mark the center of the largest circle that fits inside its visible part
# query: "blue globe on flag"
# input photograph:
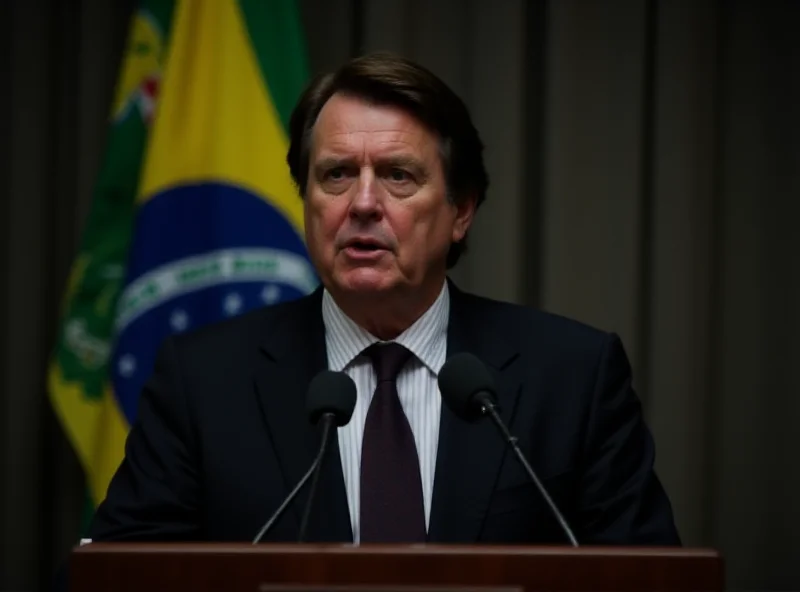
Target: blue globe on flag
(201, 254)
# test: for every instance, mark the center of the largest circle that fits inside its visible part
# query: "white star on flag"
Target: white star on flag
(127, 365)
(232, 303)
(179, 320)
(270, 293)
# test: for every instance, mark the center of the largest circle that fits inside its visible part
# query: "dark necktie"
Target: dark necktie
(392, 510)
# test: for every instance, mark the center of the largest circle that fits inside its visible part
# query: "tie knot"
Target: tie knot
(388, 359)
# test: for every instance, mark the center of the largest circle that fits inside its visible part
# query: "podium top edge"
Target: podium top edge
(216, 548)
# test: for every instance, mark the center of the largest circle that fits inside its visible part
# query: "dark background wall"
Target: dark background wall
(644, 157)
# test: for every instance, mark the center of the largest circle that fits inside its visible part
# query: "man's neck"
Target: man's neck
(387, 316)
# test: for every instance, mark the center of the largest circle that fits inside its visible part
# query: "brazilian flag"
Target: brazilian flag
(194, 217)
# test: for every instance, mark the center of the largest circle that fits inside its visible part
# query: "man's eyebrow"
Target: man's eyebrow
(330, 162)
(402, 160)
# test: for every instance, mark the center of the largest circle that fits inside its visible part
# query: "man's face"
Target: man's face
(377, 217)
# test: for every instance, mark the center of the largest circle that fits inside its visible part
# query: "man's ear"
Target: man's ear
(465, 211)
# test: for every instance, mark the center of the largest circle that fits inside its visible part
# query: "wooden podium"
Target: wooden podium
(425, 568)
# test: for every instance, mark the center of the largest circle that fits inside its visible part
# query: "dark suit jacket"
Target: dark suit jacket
(222, 436)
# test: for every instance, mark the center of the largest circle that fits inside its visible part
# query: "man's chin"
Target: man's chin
(366, 282)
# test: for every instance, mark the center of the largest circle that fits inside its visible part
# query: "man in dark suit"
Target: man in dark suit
(391, 172)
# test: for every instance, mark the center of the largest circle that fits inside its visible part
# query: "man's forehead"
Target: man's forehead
(385, 141)
(395, 153)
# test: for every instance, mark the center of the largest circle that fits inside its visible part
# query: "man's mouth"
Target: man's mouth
(364, 246)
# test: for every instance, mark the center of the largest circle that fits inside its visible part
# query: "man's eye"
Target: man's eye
(335, 174)
(399, 175)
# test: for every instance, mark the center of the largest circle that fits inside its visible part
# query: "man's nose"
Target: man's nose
(366, 201)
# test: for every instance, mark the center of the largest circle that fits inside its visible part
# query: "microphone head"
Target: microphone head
(465, 383)
(331, 392)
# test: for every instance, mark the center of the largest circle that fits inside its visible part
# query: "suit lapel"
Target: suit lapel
(293, 352)
(469, 456)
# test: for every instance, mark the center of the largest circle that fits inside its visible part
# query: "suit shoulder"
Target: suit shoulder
(530, 326)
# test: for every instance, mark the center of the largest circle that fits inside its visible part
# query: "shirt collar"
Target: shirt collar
(426, 338)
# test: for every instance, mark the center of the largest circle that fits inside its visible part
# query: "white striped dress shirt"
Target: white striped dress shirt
(417, 388)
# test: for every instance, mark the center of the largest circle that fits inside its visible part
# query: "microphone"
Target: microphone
(331, 399)
(468, 391)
